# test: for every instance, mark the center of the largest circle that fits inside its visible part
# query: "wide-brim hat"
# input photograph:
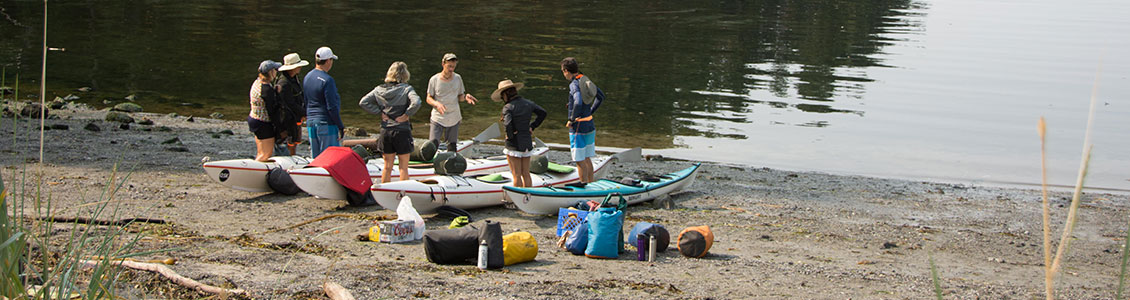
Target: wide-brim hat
(502, 86)
(292, 61)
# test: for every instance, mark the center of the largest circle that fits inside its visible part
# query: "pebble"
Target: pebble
(33, 110)
(84, 89)
(124, 126)
(173, 140)
(216, 115)
(177, 149)
(131, 98)
(121, 117)
(145, 121)
(227, 132)
(127, 107)
(92, 127)
(60, 127)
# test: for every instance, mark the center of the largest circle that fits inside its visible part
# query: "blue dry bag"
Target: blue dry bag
(606, 230)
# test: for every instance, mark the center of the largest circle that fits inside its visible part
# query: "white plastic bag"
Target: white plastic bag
(405, 211)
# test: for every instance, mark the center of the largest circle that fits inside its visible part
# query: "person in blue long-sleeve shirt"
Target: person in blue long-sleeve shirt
(584, 99)
(323, 104)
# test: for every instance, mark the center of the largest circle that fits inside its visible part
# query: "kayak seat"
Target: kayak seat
(493, 178)
(653, 178)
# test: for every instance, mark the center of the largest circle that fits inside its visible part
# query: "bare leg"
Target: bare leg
(264, 148)
(403, 158)
(386, 173)
(585, 167)
(526, 178)
(515, 164)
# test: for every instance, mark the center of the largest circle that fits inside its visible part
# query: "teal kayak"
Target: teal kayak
(546, 200)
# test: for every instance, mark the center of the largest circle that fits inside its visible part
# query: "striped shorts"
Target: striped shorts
(582, 145)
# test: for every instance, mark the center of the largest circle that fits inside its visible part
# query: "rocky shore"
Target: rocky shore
(779, 234)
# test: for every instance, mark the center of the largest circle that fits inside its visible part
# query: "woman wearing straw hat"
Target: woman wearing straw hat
(293, 104)
(516, 115)
(395, 100)
(264, 103)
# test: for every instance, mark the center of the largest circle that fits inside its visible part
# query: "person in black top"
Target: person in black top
(292, 104)
(516, 115)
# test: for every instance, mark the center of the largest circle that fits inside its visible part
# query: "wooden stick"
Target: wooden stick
(171, 275)
(336, 291)
(90, 221)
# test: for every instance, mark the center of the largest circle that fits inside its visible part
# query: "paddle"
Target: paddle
(630, 155)
(491, 132)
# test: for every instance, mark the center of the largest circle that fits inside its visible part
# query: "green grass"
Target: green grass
(38, 262)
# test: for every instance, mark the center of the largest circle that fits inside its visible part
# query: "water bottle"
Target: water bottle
(651, 248)
(483, 255)
(641, 247)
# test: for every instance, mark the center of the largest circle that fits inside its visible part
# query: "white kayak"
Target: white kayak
(547, 200)
(249, 174)
(317, 181)
(468, 192)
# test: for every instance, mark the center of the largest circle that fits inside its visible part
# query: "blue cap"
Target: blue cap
(267, 65)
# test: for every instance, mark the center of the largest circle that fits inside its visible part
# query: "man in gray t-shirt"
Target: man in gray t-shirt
(445, 90)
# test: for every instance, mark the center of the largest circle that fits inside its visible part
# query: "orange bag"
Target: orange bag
(695, 241)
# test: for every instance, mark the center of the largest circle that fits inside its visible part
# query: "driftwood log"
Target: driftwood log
(336, 291)
(171, 275)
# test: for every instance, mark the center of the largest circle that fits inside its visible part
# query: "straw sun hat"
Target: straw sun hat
(502, 86)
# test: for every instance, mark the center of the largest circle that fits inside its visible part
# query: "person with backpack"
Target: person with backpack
(584, 99)
(264, 108)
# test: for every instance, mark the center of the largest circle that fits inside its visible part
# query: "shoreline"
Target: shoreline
(778, 233)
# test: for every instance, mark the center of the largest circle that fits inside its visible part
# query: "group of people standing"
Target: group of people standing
(280, 104)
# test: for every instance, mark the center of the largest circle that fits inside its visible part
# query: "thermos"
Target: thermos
(642, 247)
(483, 255)
(651, 248)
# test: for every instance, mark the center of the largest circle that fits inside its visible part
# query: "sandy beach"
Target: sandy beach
(779, 234)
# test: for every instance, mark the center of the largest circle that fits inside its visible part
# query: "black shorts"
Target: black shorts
(262, 130)
(395, 141)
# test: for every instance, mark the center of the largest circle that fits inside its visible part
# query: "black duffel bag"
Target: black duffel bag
(452, 246)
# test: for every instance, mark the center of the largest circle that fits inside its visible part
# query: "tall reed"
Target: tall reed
(1050, 269)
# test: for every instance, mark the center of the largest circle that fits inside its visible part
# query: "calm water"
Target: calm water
(945, 90)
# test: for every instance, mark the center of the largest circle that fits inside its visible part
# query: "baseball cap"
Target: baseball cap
(450, 56)
(325, 53)
(267, 65)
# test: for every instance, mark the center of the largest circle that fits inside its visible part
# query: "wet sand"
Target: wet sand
(779, 234)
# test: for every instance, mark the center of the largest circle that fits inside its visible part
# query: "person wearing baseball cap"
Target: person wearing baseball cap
(264, 109)
(323, 104)
(293, 104)
(445, 91)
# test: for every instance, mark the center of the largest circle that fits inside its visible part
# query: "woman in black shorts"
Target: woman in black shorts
(395, 100)
(264, 101)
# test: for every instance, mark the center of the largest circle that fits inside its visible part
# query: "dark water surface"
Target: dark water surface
(945, 90)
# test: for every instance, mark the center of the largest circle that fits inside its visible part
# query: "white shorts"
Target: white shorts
(516, 153)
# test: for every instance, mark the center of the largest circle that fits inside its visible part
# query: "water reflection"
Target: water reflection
(668, 70)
